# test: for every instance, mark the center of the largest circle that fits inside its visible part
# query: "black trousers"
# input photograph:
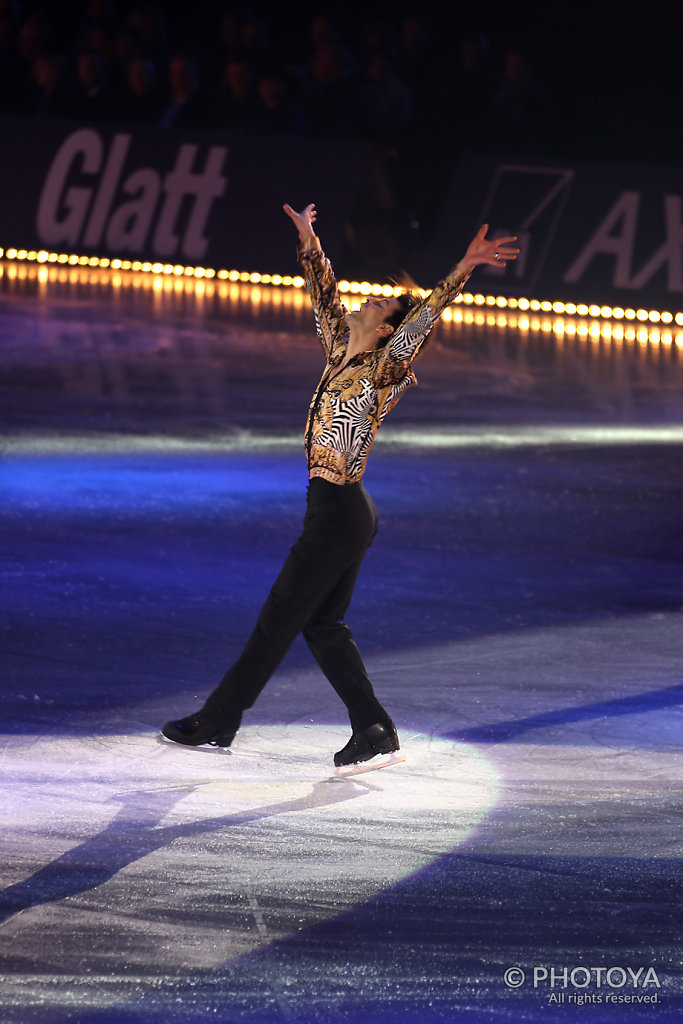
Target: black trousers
(310, 596)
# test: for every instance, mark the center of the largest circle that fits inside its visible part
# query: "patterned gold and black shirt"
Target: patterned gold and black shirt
(347, 408)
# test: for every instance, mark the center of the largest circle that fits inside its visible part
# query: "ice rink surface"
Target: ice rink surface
(520, 614)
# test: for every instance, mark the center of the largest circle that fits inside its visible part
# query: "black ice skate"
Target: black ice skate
(376, 747)
(197, 729)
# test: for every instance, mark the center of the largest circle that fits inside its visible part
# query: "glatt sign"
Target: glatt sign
(170, 195)
(93, 199)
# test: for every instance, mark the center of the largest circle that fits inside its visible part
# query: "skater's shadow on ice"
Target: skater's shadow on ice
(635, 704)
(133, 835)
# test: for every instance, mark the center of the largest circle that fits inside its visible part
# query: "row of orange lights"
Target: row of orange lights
(235, 291)
(352, 288)
(146, 267)
(564, 327)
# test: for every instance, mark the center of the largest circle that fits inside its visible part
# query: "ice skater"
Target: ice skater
(368, 366)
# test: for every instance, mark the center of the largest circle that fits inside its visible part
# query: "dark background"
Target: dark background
(592, 81)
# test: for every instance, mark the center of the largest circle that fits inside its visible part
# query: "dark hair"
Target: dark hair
(406, 302)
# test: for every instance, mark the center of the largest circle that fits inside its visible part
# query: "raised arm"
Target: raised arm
(409, 336)
(319, 276)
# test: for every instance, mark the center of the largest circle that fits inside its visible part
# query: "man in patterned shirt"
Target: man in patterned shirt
(368, 365)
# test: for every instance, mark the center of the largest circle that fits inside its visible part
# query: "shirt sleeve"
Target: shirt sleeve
(323, 292)
(407, 339)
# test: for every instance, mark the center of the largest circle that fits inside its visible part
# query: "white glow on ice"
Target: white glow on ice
(116, 828)
(410, 437)
(529, 436)
(267, 764)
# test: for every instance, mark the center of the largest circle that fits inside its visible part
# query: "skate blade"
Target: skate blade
(381, 761)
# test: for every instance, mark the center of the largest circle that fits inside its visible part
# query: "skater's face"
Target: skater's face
(373, 314)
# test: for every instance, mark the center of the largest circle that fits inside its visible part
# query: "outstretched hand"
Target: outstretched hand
(493, 252)
(303, 220)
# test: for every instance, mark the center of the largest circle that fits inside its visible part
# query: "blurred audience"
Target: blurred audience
(331, 92)
(384, 103)
(517, 107)
(142, 101)
(249, 69)
(278, 111)
(93, 98)
(52, 96)
(186, 106)
(234, 102)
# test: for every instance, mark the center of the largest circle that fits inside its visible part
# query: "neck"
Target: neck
(361, 340)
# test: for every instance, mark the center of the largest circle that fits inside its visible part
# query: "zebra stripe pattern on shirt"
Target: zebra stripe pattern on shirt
(410, 334)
